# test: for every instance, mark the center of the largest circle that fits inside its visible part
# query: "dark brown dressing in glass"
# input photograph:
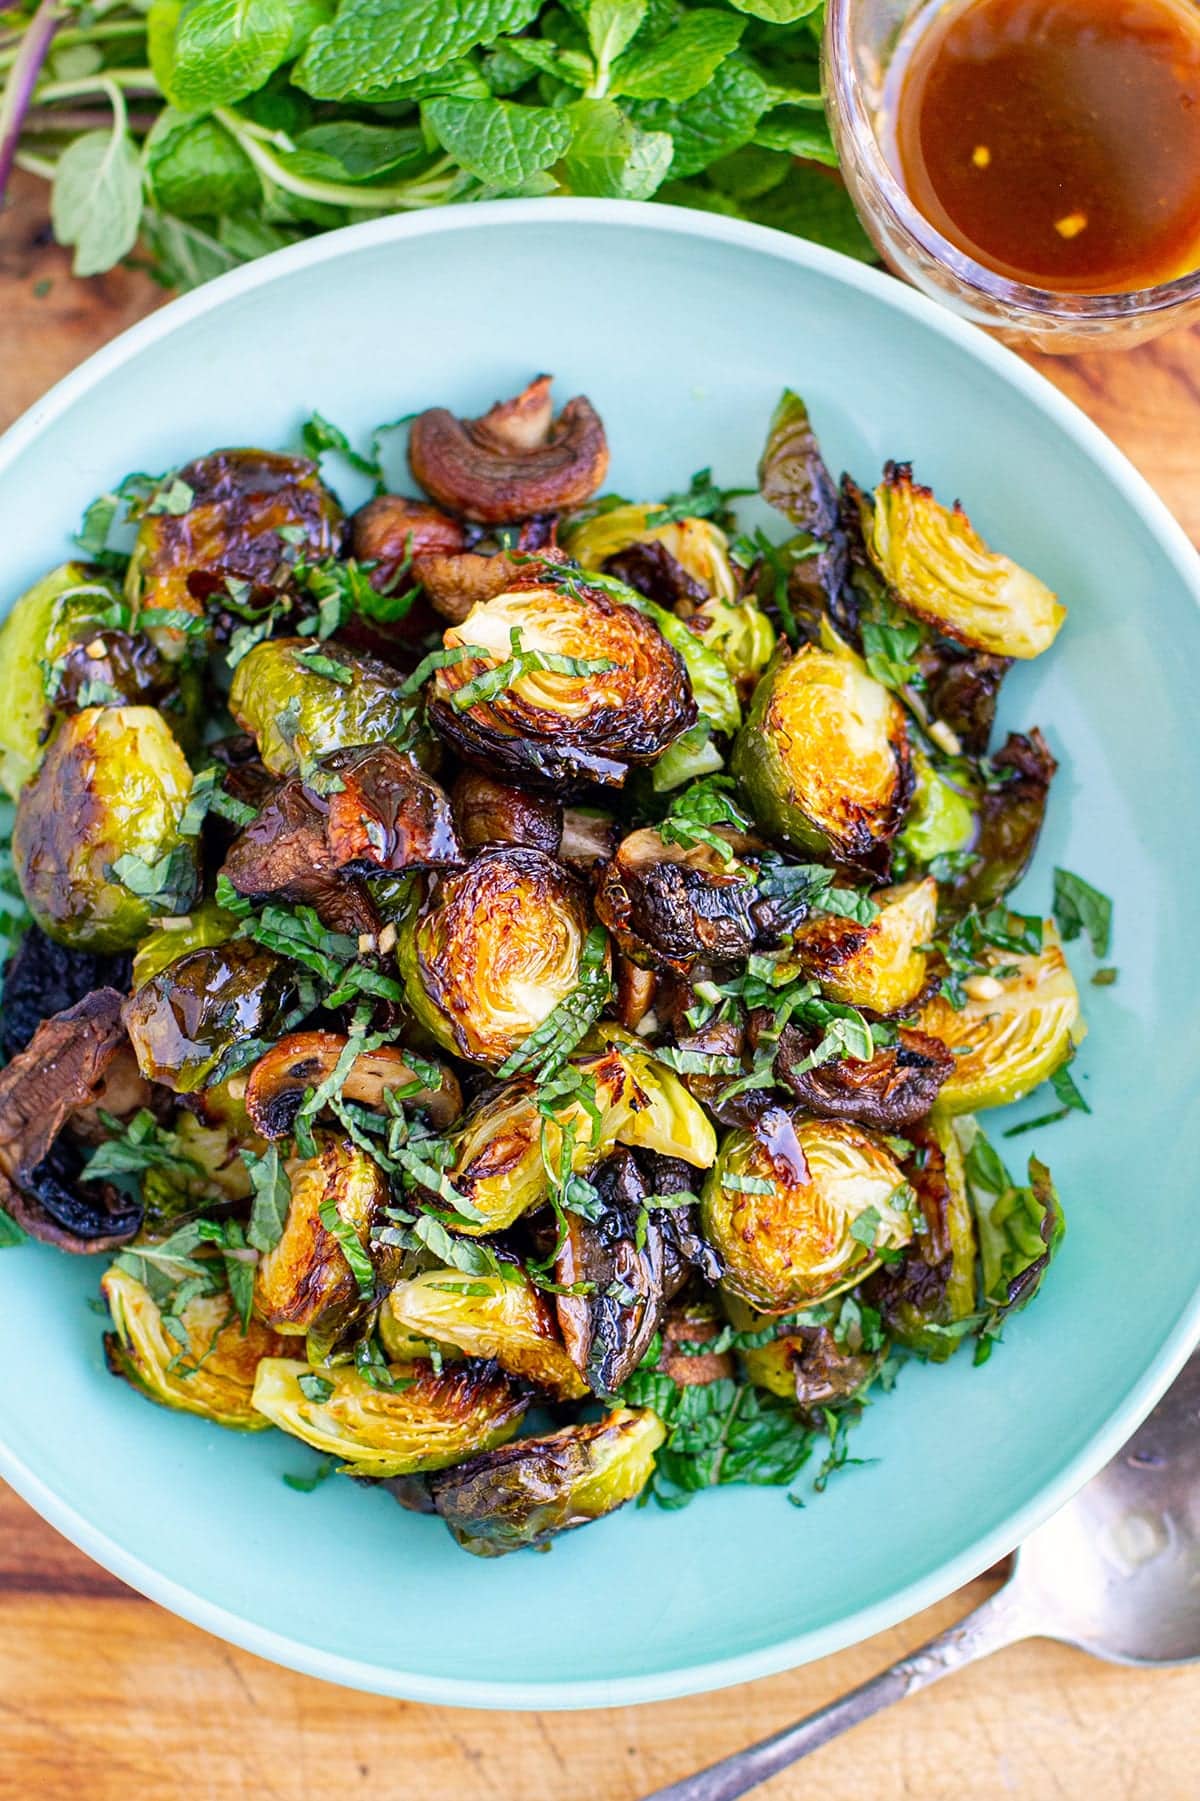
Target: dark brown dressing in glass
(1056, 141)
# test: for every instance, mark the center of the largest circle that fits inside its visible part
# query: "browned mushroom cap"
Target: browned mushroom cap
(514, 461)
(454, 584)
(487, 811)
(392, 530)
(387, 815)
(888, 1092)
(691, 1369)
(78, 1060)
(280, 1080)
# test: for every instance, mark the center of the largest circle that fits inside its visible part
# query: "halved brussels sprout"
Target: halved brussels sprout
(941, 570)
(501, 1317)
(593, 687)
(699, 546)
(96, 841)
(799, 1208)
(60, 610)
(532, 1490)
(794, 478)
(504, 1145)
(290, 707)
(711, 683)
(188, 1017)
(212, 1374)
(943, 817)
(224, 517)
(1009, 809)
(928, 1298)
(740, 633)
(305, 1284)
(879, 965)
(823, 757)
(1014, 1030)
(494, 950)
(425, 1422)
(205, 926)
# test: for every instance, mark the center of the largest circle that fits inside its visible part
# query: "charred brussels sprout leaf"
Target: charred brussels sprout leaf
(422, 1421)
(941, 570)
(793, 478)
(800, 1209)
(207, 1362)
(530, 1491)
(501, 1317)
(97, 844)
(927, 1300)
(1020, 1228)
(1019, 1021)
(823, 758)
(296, 711)
(185, 1021)
(494, 951)
(205, 926)
(1008, 797)
(880, 965)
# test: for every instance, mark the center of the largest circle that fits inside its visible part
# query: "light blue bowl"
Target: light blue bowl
(682, 328)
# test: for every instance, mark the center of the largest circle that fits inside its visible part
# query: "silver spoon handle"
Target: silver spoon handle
(1001, 1620)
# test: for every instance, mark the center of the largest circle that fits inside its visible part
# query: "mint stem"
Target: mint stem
(22, 79)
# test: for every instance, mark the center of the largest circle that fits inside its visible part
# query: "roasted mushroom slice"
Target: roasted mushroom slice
(281, 1079)
(425, 1420)
(927, 1299)
(43, 978)
(880, 965)
(532, 1490)
(810, 1366)
(185, 1020)
(488, 811)
(297, 699)
(495, 950)
(210, 1372)
(514, 461)
(560, 684)
(800, 1208)
(76, 1061)
(501, 1317)
(888, 1092)
(394, 533)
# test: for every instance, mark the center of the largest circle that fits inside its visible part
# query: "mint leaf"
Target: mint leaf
(779, 12)
(272, 1197)
(225, 49)
(611, 24)
(814, 205)
(713, 123)
(194, 169)
(497, 142)
(96, 200)
(184, 254)
(799, 134)
(682, 62)
(374, 44)
(1078, 907)
(353, 151)
(610, 156)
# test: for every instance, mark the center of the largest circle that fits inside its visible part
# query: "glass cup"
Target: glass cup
(860, 39)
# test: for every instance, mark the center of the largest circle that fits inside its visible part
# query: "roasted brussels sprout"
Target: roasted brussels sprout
(888, 1092)
(487, 811)
(515, 461)
(880, 965)
(927, 1300)
(42, 978)
(96, 843)
(306, 1283)
(501, 1317)
(425, 1421)
(712, 685)
(1020, 1021)
(1009, 801)
(293, 709)
(208, 1170)
(75, 1062)
(593, 688)
(823, 757)
(799, 1208)
(793, 478)
(1020, 1229)
(943, 816)
(697, 547)
(223, 517)
(211, 1374)
(816, 1366)
(538, 1487)
(184, 1021)
(504, 1145)
(940, 569)
(280, 1081)
(205, 926)
(495, 949)
(961, 688)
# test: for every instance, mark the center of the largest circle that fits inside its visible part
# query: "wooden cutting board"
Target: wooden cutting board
(104, 1697)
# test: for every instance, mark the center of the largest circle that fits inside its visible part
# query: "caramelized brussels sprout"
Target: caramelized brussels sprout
(961, 688)
(532, 1490)
(1014, 1031)
(487, 811)
(941, 570)
(943, 816)
(593, 688)
(816, 1366)
(205, 926)
(712, 685)
(221, 518)
(212, 1374)
(741, 635)
(697, 546)
(185, 1020)
(799, 1208)
(880, 965)
(888, 1092)
(282, 1078)
(424, 1422)
(927, 1299)
(96, 843)
(293, 709)
(502, 1317)
(504, 1145)
(793, 478)
(209, 1171)
(67, 607)
(306, 1284)
(515, 461)
(495, 949)
(76, 1061)
(823, 757)
(1009, 809)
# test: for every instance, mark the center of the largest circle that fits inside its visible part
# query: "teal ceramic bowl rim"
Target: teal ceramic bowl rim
(906, 1599)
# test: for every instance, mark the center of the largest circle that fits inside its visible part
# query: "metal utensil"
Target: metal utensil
(1116, 1572)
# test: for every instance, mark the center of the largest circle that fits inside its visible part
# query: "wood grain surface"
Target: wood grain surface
(104, 1697)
